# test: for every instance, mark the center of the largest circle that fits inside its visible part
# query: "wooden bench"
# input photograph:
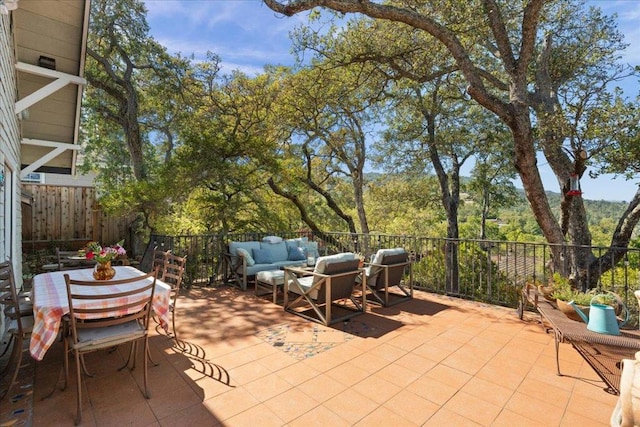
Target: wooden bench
(604, 353)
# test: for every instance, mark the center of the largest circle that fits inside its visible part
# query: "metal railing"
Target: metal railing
(485, 270)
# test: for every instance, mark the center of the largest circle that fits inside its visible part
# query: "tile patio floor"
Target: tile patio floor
(432, 361)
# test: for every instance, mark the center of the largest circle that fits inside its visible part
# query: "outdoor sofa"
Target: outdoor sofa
(245, 259)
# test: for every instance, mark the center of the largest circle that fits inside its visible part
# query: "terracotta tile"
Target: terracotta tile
(500, 375)
(60, 409)
(484, 346)
(277, 361)
(322, 388)
(237, 358)
(291, 404)
(590, 408)
(466, 361)
(324, 361)
(320, 416)
(412, 407)
(547, 360)
(159, 377)
(398, 375)
(445, 417)
(595, 390)
(473, 408)
(348, 351)
(406, 342)
(348, 373)
(448, 375)
(257, 415)
(572, 419)
(370, 362)
(433, 352)
(231, 403)
(457, 336)
(351, 406)
(248, 372)
(267, 387)
(586, 371)
(387, 352)
(523, 341)
(376, 388)
(385, 417)
(520, 353)
(124, 413)
(532, 333)
(413, 366)
(119, 390)
(362, 344)
(545, 413)
(297, 374)
(432, 390)
(494, 336)
(507, 418)
(196, 415)
(163, 404)
(488, 391)
(565, 381)
(207, 387)
(444, 342)
(545, 392)
(416, 363)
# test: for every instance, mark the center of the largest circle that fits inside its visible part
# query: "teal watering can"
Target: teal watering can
(602, 317)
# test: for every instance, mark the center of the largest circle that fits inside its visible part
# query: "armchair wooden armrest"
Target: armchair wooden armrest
(301, 271)
(238, 271)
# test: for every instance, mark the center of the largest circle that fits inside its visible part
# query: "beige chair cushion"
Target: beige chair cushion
(377, 259)
(627, 411)
(321, 265)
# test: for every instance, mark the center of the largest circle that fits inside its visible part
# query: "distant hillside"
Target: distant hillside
(599, 212)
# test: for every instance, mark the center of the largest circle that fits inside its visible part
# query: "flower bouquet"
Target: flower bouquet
(103, 256)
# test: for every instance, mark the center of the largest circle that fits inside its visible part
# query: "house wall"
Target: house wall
(10, 210)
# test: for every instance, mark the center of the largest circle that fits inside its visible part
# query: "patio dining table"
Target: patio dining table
(50, 303)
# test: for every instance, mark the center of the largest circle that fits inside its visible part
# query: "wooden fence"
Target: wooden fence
(67, 217)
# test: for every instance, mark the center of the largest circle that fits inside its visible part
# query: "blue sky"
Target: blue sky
(248, 35)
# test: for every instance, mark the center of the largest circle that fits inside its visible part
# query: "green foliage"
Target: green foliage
(430, 274)
(211, 143)
(398, 203)
(563, 290)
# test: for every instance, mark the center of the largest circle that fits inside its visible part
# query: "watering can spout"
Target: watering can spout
(580, 312)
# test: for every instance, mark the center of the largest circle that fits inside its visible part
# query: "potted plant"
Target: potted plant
(546, 290)
(563, 292)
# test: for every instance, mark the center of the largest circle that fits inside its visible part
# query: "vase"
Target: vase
(103, 271)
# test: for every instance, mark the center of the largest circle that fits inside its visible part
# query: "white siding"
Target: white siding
(10, 211)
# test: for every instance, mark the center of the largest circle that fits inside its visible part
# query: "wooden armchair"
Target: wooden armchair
(390, 270)
(329, 288)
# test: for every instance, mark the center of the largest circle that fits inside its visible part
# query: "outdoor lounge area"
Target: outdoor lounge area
(243, 360)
